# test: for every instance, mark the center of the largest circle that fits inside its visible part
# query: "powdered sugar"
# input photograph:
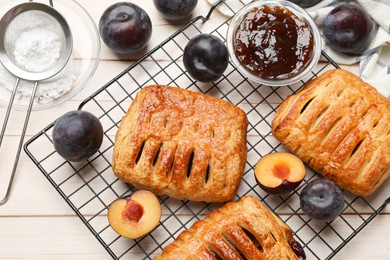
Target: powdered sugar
(48, 90)
(37, 50)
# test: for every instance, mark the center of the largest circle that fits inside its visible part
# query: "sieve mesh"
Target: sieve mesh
(29, 36)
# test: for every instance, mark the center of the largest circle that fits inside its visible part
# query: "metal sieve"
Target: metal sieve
(13, 24)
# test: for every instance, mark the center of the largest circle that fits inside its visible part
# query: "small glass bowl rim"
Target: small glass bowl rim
(297, 10)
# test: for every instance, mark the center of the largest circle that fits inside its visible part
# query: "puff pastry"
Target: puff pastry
(245, 229)
(340, 126)
(183, 144)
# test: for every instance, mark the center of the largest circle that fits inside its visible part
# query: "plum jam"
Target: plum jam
(298, 250)
(273, 43)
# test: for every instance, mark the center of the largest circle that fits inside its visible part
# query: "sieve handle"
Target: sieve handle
(6, 197)
(11, 101)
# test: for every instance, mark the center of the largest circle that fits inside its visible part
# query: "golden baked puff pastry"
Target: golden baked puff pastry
(183, 144)
(245, 229)
(340, 126)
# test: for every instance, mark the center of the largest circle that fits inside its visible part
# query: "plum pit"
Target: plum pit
(133, 211)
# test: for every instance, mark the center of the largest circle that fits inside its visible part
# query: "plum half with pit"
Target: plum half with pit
(77, 135)
(205, 57)
(322, 199)
(125, 27)
(175, 9)
(136, 215)
(348, 28)
(279, 172)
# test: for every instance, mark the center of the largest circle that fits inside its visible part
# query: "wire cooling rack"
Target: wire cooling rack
(90, 187)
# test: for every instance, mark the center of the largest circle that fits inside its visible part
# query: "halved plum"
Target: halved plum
(279, 172)
(136, 215)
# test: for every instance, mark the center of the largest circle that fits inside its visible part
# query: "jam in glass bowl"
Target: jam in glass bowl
(274, 43)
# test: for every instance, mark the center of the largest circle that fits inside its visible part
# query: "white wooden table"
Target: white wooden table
(37, 223)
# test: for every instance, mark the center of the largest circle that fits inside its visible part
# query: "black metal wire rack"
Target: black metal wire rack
(90, 187)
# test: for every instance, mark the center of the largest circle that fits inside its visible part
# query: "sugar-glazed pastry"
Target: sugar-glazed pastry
(245, 229)
(340, 126)
(183, 144)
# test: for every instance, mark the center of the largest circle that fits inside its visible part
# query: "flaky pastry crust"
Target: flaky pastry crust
(245, 229)
(340, 126)
(183, 144)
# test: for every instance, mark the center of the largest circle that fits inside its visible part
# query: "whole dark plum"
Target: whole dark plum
(305, 3)
(77, 135)
(205, 57)
(125, 27)
(322, 199)
(348, 28)
(175, 9)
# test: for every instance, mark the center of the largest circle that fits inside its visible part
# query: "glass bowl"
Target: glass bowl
(254, 32)
(76, 74)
